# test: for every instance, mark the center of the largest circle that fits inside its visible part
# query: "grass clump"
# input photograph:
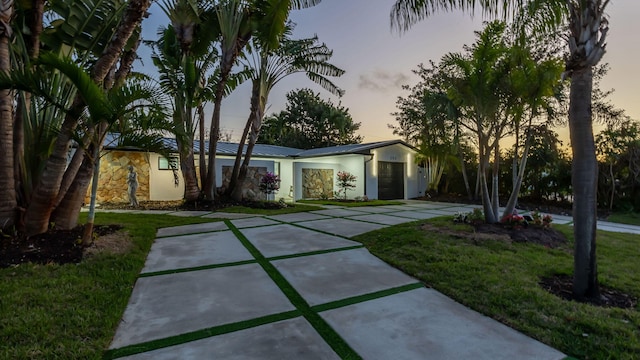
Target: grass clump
(501, 279)
(71, 311)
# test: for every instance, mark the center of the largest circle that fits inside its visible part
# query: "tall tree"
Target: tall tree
(8, 203)
(588, 27)
(97, 41)
(429, 120)
(237, 23)
(185, 55)
(310, 122)
(269, 66)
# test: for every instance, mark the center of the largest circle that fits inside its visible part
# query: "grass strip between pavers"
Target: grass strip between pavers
(366, 297)
(197, 335)
(318, 252)
(330, 336)
(196, 268)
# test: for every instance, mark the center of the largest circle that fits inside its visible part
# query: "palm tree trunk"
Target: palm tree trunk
(133, 15)
(65, 215)
(46, 191)
(8, 203)
(72, 168)
(584, 183)
(613, 185)
(513, 199)
(187, 165)
(465, 177)
(233, 181)
(258, 104)
(87, 234)
(495, 196)
(210, 184)
(483, 150)
(34, 16)
(202, 160)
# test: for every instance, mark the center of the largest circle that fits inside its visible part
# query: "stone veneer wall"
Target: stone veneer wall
(251, 190)
(316, 182)
(112, 185)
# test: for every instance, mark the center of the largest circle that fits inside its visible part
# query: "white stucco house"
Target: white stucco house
(384, 170)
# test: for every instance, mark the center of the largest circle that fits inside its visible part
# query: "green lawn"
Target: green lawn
(631, 218)
(71, 311)
(352, 203)
(500, 280)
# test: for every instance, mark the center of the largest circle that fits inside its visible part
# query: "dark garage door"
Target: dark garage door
(390, 180)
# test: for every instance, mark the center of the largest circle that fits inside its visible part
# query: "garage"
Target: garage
(390, 180)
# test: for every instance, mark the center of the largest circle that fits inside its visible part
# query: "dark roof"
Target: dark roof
(350, 149)
(261, 150)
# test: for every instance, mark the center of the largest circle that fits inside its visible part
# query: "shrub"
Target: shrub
(543, 220)
(270, 183)
(346, 181)
(513, 220)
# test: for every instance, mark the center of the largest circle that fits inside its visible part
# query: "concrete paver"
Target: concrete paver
(288, 339)
(376, 209)
(398, 207)
(287, 239)
(381, 219)
(423, 323)
(253, 222)
(342, 227)
(337, 212)
(297, 217)
(338, 275)
(441, 212)
(192, 229)
(187, 251)
(417, 215)
(173, 304)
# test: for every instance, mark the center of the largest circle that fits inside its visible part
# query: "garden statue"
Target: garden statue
(132, 186)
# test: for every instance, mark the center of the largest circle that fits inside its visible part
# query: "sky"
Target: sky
(378, 61)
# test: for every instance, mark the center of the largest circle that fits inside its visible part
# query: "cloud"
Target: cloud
(382, 81)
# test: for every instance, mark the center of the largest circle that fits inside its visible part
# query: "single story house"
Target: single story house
(384, 170)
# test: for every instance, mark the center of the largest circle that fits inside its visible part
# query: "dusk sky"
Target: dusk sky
(379, 61)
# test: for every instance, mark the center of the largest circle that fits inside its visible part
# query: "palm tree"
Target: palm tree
(8, 204)
(269, 67)
(588, 27)
(48, 187)
(476, 85)
(237, 22)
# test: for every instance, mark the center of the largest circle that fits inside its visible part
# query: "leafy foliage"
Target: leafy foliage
(310, 122)
(269, 183)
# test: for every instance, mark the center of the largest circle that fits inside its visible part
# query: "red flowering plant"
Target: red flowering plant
(513, 220)
(270, 183)
(346, 181)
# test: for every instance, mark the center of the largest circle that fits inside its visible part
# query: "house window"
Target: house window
(168, 164)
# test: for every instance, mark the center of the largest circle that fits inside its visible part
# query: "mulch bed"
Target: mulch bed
(562, 287)
(54, 246)
(547, 237)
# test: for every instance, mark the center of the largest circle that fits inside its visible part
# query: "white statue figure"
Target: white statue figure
(132, 186)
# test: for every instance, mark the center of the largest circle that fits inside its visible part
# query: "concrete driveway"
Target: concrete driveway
(295, 287)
